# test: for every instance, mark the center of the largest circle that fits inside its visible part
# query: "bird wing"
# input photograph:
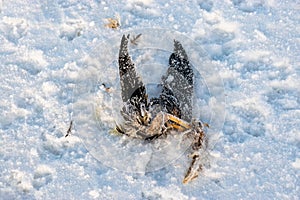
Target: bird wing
(178, 83)
(132, 86)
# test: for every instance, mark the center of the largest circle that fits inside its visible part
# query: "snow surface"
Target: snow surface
(55, 55)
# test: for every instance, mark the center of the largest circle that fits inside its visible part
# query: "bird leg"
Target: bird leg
(198, 143)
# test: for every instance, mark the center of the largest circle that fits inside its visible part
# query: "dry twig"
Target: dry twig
(135, 39)
(69, 129)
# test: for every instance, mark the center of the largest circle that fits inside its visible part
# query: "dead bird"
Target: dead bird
(149, 119)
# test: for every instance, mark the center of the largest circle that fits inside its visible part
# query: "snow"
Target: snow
(55, 56)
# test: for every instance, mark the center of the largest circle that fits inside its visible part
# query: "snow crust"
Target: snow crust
(55, 56)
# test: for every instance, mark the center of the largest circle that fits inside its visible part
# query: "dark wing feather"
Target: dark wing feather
(132, 87)
(179, 82)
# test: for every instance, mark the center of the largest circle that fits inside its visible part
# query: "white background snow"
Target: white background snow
(49, 49)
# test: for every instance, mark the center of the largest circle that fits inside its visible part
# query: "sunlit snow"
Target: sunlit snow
(55, 57)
